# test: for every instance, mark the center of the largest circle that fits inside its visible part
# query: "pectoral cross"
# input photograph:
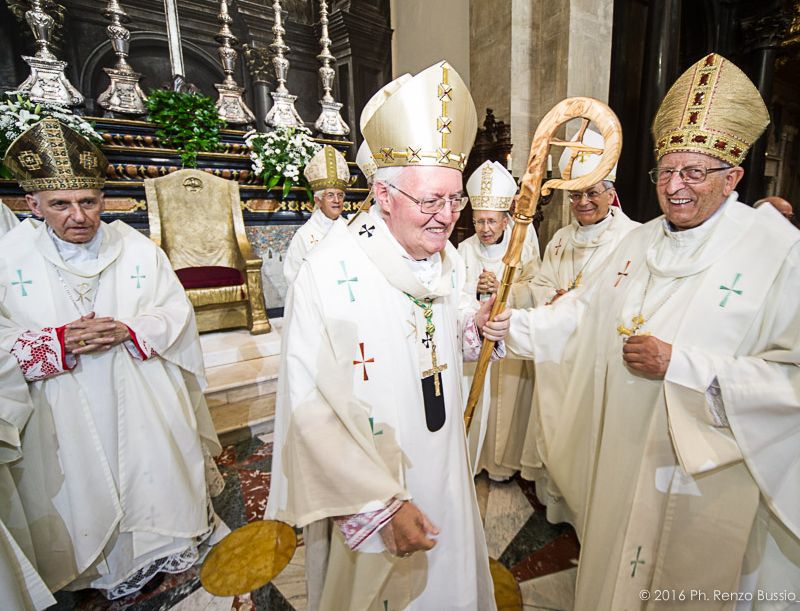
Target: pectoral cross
(83, 290)
(575, 283)
(637, 323)
(435, 371)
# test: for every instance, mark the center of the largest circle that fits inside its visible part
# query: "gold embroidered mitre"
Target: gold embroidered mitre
(713, 109)
(51, 157)
(491, 187)
(429, 120)
(327, 170)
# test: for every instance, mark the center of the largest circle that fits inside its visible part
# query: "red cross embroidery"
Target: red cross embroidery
(363, 362)
(558, 246)
(624, 272)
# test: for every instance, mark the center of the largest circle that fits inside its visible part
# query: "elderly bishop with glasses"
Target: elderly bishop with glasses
(328, 176)
(684, 398)
(370, 453)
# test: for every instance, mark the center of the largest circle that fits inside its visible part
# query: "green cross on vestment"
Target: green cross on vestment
(372, 426)
(346, 281)
(636, 562)
(22, 283)
(731, 289)
(138, 277)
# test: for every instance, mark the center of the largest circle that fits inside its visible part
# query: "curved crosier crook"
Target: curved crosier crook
(531, 188)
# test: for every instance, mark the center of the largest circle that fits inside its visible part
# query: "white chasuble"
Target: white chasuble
(21, 587)
(669, 476)
(304, 240)
(112, 476)
(352, 426)
(8, 220)
(501, 417)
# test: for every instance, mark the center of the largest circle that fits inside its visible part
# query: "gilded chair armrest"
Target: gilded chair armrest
(258, 308)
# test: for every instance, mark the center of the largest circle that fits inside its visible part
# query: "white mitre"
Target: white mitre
(491, 187)
(365, 161)
(585, 161)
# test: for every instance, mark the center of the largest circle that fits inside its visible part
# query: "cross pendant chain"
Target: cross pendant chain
(638, 320)
(429, 342)
(80, 294)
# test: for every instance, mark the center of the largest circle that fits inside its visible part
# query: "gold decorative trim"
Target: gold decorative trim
(490, 202)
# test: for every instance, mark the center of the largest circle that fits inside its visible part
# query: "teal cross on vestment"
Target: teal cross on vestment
(138, 277)
(347, 281)
(372, 427)
(636, 562)
(731, 289)
(22, 283)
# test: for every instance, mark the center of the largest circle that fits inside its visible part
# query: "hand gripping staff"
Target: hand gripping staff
(587, 109)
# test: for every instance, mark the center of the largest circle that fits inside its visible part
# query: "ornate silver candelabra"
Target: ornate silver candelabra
(230, 104)
(123, 94)
(282, 113)
(47, 81)
(329, 121)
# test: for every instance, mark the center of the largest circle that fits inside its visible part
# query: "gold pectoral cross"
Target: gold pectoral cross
(637, 322)
(83, 290)
(435, 371)
(575, 283)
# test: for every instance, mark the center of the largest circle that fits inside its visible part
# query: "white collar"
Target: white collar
(74, 253)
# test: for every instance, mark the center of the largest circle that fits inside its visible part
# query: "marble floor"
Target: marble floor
(541, 557)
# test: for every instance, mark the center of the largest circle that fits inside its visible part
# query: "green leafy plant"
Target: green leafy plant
(188, 122)
(281, 155)
(18, 114)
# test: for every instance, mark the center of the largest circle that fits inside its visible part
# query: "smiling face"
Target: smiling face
(420, 234)
(489, 225)
(690, 205)
(331, 202)
(74, 214)
(591, 206)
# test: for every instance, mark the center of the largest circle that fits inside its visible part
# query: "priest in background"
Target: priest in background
(21, 587)
(502, 416)
(112, 478)
(576, 254)
(328, 175)
(686, 377)
(8, 220)
(369, 431)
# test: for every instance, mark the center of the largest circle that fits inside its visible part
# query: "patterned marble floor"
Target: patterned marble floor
(542, 557)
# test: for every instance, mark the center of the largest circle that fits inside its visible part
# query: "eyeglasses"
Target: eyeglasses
(691, 175)
(332, 197)
(435, 205)
(490, 223)
(576, 196)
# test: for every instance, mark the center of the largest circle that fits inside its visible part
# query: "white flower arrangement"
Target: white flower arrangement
(18, 114)
(281, 155)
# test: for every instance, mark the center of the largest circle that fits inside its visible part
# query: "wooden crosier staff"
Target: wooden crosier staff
(531, 188)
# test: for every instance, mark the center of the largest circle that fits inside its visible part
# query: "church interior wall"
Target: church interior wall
(425, 32)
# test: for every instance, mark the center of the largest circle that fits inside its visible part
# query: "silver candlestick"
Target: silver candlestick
(123, 94)
(230, 104)
(47, 81)
(283, 112)
(329, 121)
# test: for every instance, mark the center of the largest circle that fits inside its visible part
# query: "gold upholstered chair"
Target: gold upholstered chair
(197, 219)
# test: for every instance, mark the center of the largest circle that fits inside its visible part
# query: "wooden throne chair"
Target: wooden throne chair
(196, 218)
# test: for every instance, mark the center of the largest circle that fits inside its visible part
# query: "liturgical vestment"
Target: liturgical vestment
(112, 476)
(574, 256)
(691, 482)
(304, 240)
(352, 427)
(498, 431)
(21, 587)
(8, 219)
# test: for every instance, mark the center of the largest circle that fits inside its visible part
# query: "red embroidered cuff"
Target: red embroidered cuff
(138, 347)
(41, 354)
(359, 527)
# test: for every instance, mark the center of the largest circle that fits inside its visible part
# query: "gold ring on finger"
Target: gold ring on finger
(82, 342)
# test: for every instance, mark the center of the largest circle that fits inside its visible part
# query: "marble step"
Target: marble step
(244, 419)
(241, 381)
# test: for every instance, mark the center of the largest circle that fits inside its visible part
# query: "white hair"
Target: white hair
(388, 175)
(319, 193)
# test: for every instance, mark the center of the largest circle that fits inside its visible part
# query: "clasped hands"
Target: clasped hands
(90, 334)
(488, 283)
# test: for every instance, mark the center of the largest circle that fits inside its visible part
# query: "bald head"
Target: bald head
(780, 204)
